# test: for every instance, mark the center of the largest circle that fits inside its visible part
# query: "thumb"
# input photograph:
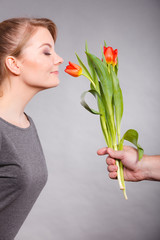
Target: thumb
(115, 154)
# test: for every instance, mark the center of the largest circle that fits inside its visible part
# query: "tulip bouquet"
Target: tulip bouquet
(105, 87)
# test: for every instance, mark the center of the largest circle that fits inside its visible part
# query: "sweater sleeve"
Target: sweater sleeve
(10, 174)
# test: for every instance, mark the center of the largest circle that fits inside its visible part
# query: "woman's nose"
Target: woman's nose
(58, 59)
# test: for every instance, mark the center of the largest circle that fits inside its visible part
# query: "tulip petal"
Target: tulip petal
(73, 65)
(110, 55)
(69, 67)
(73, 69)
(72, 72)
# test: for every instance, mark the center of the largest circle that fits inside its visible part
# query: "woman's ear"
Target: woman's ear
(12, 65)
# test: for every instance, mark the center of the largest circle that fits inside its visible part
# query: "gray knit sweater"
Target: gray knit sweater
(23, 174)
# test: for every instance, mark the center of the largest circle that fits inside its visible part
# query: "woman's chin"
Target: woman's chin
(52, 84)
(55, 83)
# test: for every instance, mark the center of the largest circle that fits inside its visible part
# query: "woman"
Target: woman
(28, 64)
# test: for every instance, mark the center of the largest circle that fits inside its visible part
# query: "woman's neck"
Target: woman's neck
(13, 101)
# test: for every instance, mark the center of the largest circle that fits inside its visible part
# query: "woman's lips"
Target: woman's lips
(55, 72)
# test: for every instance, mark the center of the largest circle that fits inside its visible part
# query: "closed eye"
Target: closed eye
(47, 53)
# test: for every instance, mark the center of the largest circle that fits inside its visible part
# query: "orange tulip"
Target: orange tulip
(110, 55)
(73, 69)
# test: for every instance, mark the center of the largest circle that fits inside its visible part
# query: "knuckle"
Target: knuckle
(110, 161)
(113, 175)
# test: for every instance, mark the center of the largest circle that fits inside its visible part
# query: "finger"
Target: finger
(112, 168)
(115, 154)
(110, 161)
(102, 151)
(113, 175)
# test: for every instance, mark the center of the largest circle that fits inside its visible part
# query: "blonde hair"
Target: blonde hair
(15, 32)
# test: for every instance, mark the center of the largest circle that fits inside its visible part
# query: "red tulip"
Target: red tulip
(73, 69)
(110, 55)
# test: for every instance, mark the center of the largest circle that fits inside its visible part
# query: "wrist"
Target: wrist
(144, 168)
(150, 167)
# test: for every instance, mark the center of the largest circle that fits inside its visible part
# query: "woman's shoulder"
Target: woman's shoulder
(0, 136)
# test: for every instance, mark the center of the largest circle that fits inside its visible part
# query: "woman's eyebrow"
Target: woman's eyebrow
(46, 44)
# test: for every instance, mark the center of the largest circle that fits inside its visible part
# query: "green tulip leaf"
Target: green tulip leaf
(117, 101)
(92, 69)
(104, 77)
(132, 136)
(85, 105)
(117, 67)
(84, 69)
(105, 44)
(106, 90)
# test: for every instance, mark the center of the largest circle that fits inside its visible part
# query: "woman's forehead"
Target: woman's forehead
(40, 37)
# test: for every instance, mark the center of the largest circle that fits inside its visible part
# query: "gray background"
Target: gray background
(79, 200)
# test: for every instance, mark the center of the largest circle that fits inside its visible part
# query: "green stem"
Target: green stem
(121, 169)
(113, 133)
(120, 174)
(105, 131)
(122, 179)
(109, 68)
(118, 171)
(90, 80)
